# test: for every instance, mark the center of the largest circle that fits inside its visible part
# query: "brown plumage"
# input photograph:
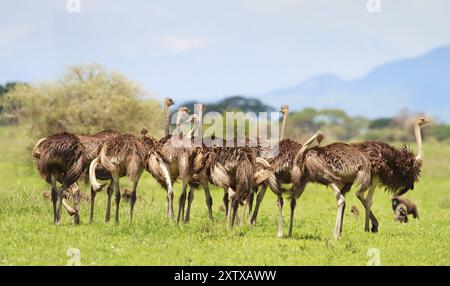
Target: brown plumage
(233, 169)
(282, 161)
(123, 155)
(396, 169)
(179, 157)
(286, 150)
(337, 165)
(60, 158)
(93, 144)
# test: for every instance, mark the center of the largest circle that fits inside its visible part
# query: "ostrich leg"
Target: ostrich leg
(93, 193)
(241, 222)
(340, 212)
(235, 205)
(54, 197)
(190, 199)
(76, 205)
(367, 203)
(259, 199)
(117, 194)
(110, 192)
(226, 202)
(209, 200)
(230, 200)
(295, 196)
(133, 196)
(344, 190)
(169, 209)
(251, 198)
(280, 216)
(182, 202)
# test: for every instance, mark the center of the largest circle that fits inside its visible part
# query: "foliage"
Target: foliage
(380, 123)
(85, 100)
(233, 103)
(336, 124)
(441, 132)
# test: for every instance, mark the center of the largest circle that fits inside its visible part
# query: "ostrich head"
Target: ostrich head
(319, 137)
(284, 109)
(422, 121)
(193, 118)
(183, 112)
(168, 101)
(144, 131)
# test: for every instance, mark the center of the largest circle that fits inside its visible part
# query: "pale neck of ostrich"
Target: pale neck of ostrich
(191, 132)
(200, 122)
(283, 127)
(166, 119)
(308, 143)
(418, 135)
(180, 118)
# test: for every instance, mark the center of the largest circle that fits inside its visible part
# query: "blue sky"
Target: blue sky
(207, 49)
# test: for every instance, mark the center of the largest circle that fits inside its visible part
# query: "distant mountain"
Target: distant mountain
(418, 84)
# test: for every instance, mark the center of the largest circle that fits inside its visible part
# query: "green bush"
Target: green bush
(85, 100)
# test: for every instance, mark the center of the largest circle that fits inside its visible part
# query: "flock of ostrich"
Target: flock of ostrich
(241, 171)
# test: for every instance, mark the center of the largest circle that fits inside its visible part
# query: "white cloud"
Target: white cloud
(176, 43)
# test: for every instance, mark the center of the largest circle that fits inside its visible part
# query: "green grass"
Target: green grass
(28, 237)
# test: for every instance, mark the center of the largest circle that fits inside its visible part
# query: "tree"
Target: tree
(85, 100)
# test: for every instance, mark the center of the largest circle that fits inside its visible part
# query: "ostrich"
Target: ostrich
(60, 158)
(93, 144)
(283, 164)
(338, 165)
(396, 169)
(199, 178)
(180, 160)
(128, 155)
(237, 170)
(121, 156)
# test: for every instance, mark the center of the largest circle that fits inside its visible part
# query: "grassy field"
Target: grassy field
(28, 237)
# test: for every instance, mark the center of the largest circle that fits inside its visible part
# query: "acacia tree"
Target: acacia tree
(86, 99)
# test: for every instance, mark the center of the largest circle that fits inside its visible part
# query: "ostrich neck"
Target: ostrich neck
(283, 127)
(166, 120)
(191, 132)
(200, 123)
(418, 136)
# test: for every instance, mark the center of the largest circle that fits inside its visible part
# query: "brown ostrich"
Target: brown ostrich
(236, 170)
(93, 144)
(199, 178)
(128, 155)
(396, 169)
(179, 153)
(283, 163)
(123, 155)
(337, 165)
(60, 158)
